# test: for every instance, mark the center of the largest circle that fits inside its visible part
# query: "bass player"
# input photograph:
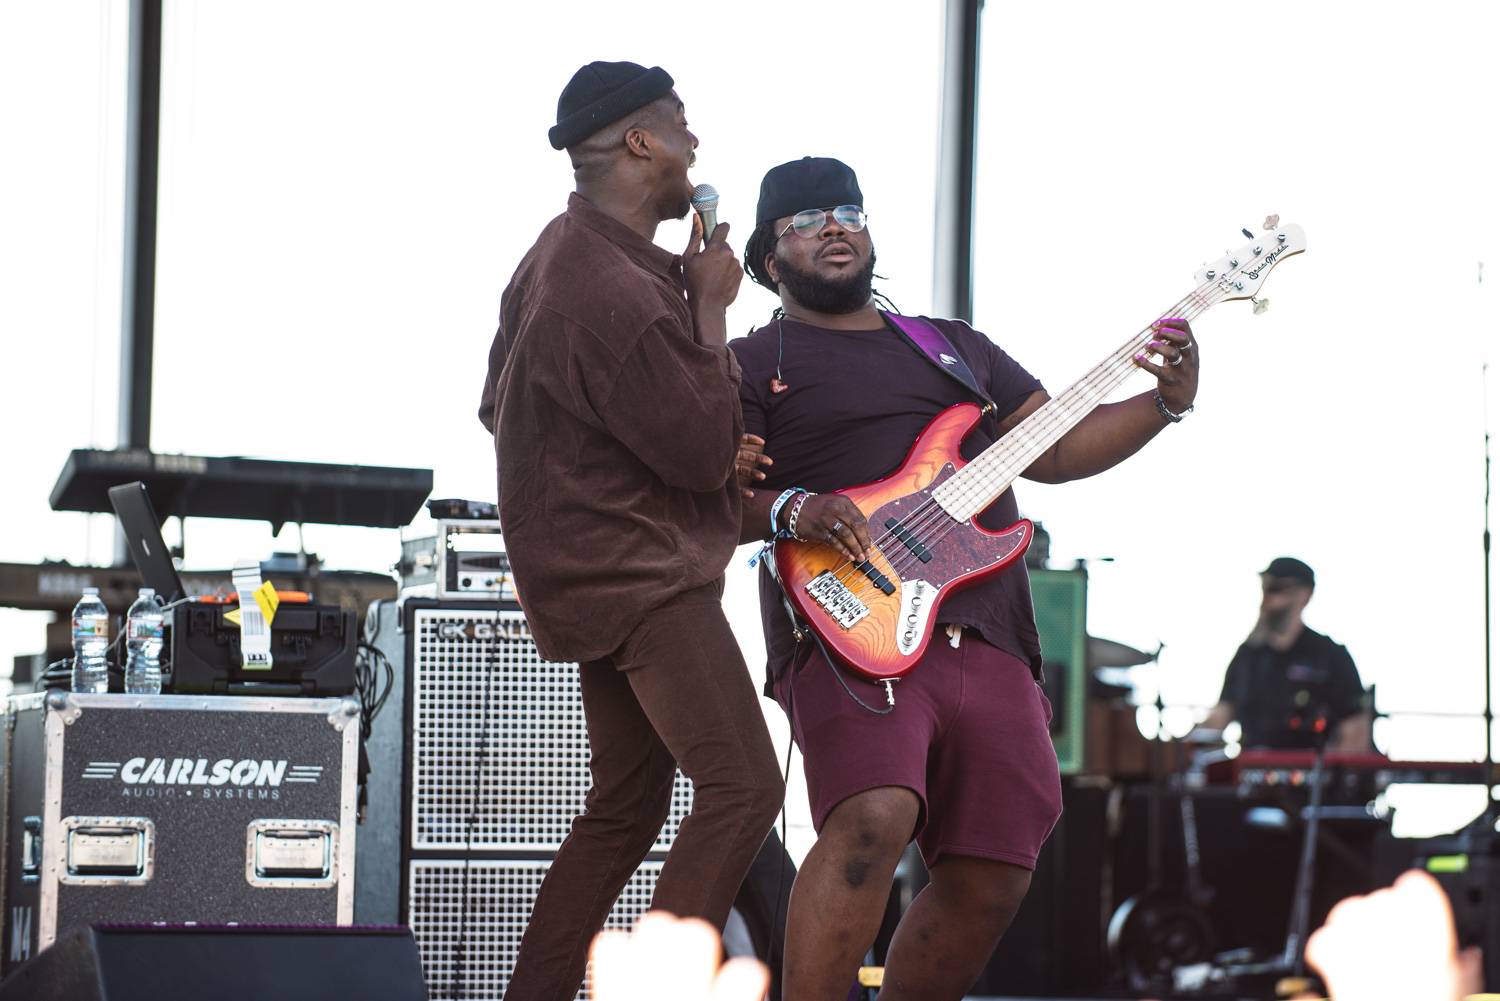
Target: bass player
(962, 761)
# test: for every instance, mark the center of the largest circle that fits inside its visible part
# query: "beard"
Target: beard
(824, 295)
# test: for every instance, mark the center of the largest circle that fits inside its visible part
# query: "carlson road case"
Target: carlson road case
(175, 808)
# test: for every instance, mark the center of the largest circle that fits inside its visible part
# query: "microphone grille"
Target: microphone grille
(705, 196)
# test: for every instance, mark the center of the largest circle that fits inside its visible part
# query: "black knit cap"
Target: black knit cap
(813, 182)
(600, 93)
(1290, 568)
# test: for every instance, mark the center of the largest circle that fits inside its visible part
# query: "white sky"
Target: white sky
(346, 187)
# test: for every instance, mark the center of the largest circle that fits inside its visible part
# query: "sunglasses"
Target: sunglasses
(809, 222)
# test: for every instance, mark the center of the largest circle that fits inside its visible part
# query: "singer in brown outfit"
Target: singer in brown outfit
(614, 405)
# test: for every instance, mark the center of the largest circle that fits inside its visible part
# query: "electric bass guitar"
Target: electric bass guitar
(877, 617)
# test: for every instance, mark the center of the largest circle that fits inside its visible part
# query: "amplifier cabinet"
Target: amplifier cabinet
(175, 808)
(497, 750)
(468, 918)
(479, 763)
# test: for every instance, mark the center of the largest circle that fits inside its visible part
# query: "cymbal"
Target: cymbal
(1108, 653)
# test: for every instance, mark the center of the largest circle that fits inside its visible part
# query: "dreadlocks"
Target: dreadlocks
(762, 244)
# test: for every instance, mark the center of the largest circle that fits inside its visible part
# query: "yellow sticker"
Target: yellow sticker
(265, 597)
(232, 616)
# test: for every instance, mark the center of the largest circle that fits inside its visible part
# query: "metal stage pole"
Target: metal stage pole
(138, 301)
(1489, 675)
(953, 236)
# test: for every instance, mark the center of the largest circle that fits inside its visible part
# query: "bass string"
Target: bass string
(1098, 384)
(1041, 429)
(1081, 398)
(953, 522)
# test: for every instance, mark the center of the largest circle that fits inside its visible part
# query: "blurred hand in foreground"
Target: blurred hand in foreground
(1396, 944)
(666, 958)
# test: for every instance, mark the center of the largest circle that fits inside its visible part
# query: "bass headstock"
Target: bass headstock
(1240, 274)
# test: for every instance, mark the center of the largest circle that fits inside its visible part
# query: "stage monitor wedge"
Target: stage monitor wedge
(119, 963)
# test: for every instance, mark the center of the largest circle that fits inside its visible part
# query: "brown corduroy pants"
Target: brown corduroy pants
(675, 694)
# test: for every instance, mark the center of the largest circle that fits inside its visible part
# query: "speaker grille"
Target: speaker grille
(534, 772)
(500, 894)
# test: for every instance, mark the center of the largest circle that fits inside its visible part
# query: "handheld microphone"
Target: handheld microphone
(706, 204)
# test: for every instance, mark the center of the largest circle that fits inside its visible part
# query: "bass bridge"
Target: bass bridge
(831, 594)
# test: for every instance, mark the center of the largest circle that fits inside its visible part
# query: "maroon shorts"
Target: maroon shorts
(968, 736)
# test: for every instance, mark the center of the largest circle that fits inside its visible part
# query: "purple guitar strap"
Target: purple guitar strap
(930, 342)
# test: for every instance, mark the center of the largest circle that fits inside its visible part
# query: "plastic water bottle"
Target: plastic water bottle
(90, 643)
(143, 625)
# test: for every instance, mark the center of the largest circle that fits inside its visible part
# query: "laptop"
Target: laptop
(142, 530)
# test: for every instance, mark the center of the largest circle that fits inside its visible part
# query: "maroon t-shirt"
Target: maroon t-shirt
(855, 403)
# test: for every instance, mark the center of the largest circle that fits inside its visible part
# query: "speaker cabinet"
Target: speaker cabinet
(479, 763)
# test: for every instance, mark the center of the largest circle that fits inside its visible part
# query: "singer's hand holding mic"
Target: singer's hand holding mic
(711, 270)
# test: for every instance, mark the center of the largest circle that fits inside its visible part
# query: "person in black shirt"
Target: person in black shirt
(962, 762)
(1287, 684)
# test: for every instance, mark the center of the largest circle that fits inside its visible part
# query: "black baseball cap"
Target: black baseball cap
(813, 182)
(1289, 568)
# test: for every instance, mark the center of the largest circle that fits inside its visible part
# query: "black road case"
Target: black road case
(175, 808)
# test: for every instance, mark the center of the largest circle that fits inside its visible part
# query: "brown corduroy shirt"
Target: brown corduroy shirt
(615, 434)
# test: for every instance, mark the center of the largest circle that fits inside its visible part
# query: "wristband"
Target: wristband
(777, 532)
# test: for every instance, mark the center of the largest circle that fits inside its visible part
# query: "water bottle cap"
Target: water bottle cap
(91, 590)
(147, 592)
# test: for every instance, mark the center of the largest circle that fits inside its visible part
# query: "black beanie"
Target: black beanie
(813, 182)
(600, 93)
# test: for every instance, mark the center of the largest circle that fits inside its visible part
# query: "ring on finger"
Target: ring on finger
(1177, 360)
(1185, 347)
(838, 526)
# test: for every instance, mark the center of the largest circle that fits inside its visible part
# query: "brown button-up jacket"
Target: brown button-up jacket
(615, 434)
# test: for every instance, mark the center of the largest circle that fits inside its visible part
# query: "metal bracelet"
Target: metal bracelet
(776, 507)
(1166, 411)
(791, 521)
